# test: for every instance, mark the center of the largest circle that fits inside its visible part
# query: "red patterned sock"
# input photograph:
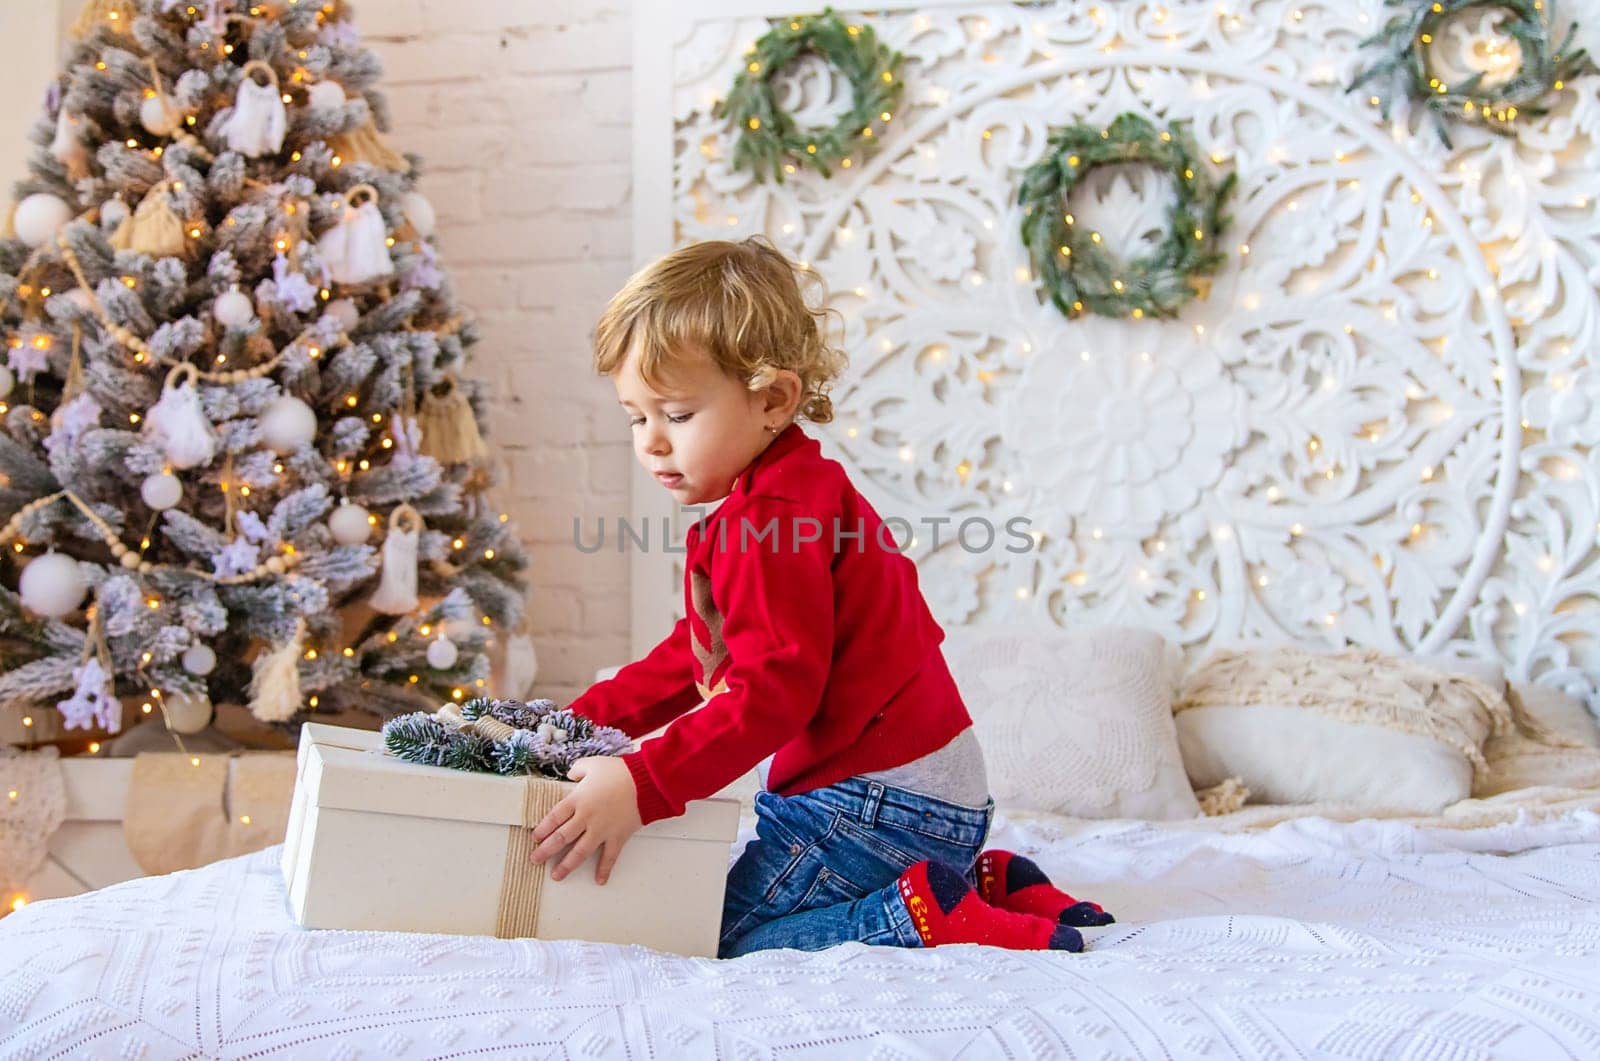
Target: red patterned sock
(945, 909)
(1012, 882)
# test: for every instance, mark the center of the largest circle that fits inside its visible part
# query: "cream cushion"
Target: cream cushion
(1074, 722)
(1288, 754)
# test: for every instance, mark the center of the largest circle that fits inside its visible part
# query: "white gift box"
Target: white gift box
(375, 842)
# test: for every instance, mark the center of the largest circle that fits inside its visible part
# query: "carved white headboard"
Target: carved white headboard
(1378, 428)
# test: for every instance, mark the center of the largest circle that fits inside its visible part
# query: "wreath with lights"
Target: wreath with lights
(1544, 68)
(1073, 266)
(769, 137)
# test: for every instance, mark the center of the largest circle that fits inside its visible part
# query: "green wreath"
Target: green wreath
(1544, 68)
(1071, 264)
(768, 135)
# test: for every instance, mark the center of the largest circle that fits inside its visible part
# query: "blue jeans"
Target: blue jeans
(823, 866)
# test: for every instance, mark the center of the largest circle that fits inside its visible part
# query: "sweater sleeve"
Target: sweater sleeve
(647, 692)
(775, 599)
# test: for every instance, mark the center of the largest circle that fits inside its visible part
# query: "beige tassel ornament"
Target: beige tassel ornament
(112, 14)
(356, 249)
(397, 585)
(153, 228)
(275, 685)
(68, 146)
(365, 144)
(177, 423)
(259, 120)
(449, 430)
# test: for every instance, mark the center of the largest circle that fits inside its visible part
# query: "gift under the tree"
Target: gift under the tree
(375, 842)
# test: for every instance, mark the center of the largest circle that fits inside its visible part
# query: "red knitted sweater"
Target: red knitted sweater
(806, 638)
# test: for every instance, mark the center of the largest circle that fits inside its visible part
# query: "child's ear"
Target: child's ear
(782, 395)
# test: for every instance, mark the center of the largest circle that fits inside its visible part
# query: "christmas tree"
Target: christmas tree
(241, 457)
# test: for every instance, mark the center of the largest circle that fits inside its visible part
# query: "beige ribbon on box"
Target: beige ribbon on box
(521, 882)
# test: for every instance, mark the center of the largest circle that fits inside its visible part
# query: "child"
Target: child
(806, 640)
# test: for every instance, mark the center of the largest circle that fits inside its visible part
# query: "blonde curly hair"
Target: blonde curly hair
(739, 301)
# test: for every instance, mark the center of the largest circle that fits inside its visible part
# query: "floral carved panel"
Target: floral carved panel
(1377, 428)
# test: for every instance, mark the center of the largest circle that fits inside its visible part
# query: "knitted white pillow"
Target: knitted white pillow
(1074, 722)
(1291, 755)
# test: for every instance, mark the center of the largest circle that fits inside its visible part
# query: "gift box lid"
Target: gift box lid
(348, 769)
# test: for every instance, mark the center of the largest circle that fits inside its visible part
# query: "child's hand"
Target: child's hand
(602, 812)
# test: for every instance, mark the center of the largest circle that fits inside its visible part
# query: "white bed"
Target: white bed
(1312, 938)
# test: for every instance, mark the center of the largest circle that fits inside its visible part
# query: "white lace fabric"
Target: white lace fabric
(1372, 939)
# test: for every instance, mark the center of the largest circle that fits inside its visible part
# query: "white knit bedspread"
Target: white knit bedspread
(1312, 939)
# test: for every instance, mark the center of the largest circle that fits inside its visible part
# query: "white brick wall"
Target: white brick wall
(521, 112)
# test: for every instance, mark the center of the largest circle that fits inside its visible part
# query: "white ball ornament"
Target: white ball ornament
(419, 212)
(233, 309)
(186, 714)
(442, 653)
(7, 381)
(351, 524)
(199, 660)
(288, 424)
(158, 117)
(52, 585)
(326, 95)
(161, 491)
(343, 312)
(39, 216)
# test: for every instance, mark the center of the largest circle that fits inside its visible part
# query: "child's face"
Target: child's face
(699, 431)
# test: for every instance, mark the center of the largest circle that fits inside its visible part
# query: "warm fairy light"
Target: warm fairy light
(146, 707)
(350, 400)
(393, 637)
(487, 621)
(504, 516)
(278, 468)
(194, 760)
(413, 679)
(488, 554)
(153, 603)
(244, 491)
(349, 652)
(388, 443)
(425, 629)
(364, 465)
(147, 657)
(311, 653)
(18, 902)
(459, 544)
(457, 693)
(27, 720)
(94, 747)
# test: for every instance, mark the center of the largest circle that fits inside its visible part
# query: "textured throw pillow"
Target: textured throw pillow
(1374, 731)
(1561, 713)
(1074, 722)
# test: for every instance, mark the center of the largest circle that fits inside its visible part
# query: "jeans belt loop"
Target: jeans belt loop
(869, 809)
